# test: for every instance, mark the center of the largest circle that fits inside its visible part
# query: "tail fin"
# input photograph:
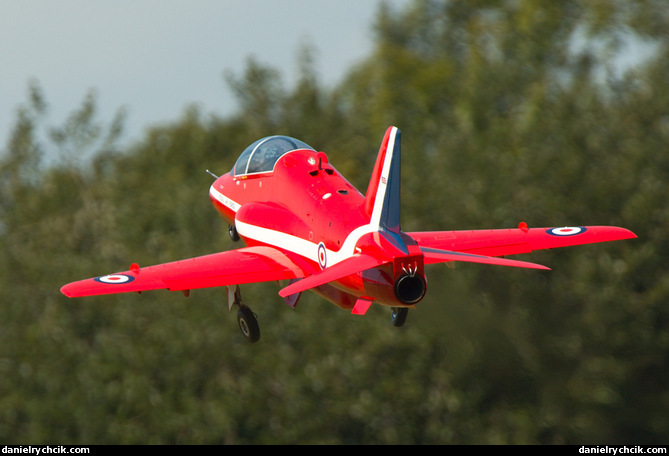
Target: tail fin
(382, 200)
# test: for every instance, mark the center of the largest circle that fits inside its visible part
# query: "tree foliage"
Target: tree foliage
(510, 111)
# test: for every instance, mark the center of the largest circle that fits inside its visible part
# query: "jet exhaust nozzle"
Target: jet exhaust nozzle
(410, 288)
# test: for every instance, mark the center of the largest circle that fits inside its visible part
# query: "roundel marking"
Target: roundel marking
(322, 256)
(566, 231)
(115, 279)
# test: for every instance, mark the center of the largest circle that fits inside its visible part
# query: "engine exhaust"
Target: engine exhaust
(410, 288)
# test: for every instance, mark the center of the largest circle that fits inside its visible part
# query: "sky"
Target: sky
(153, 58)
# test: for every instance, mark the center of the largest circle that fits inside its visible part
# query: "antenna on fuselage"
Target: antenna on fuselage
(211, 174)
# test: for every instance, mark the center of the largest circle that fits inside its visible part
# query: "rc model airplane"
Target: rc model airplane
(303, 222)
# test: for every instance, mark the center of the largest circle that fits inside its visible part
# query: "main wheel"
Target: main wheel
(248, 324)
(399, 316)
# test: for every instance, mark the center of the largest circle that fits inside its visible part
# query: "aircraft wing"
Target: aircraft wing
(502, 242)
(234, 267)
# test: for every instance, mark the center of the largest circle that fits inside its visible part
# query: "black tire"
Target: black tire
(248, 324)
(232, 232)
(399, 316)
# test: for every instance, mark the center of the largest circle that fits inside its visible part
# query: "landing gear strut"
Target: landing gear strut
(398, 316)
(246, 319)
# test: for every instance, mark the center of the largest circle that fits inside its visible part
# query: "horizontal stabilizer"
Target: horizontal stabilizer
(440, 256)
(350, 266)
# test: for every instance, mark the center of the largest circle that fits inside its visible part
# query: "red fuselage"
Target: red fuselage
(305, 206)
(304, 196)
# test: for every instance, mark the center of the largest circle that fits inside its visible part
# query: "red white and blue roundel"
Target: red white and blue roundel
(566, 231)
(115, 279)
(322, 256)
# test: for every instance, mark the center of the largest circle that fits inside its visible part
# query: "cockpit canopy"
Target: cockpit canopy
(262, 155)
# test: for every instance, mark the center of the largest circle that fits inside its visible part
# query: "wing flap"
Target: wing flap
(234, 267)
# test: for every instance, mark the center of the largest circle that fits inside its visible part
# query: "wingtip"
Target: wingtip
(67, 290)
(616, 233)
(629, 233)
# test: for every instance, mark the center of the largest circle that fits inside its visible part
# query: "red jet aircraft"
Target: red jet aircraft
(304, 222)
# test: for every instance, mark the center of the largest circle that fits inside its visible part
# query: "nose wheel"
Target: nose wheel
(246, 318)
(232, 232)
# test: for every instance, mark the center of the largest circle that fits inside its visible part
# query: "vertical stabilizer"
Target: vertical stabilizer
(382, 200)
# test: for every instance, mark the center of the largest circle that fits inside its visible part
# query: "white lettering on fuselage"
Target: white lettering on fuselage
(224, 200)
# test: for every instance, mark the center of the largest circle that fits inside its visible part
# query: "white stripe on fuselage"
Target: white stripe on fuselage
(300, 246)
(295, 244)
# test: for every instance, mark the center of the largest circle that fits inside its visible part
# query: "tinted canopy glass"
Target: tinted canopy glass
(262, 155)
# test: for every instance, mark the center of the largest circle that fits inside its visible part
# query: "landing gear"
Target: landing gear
(246, 319)
(232, 232)
(398, 316)
(248, 324)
